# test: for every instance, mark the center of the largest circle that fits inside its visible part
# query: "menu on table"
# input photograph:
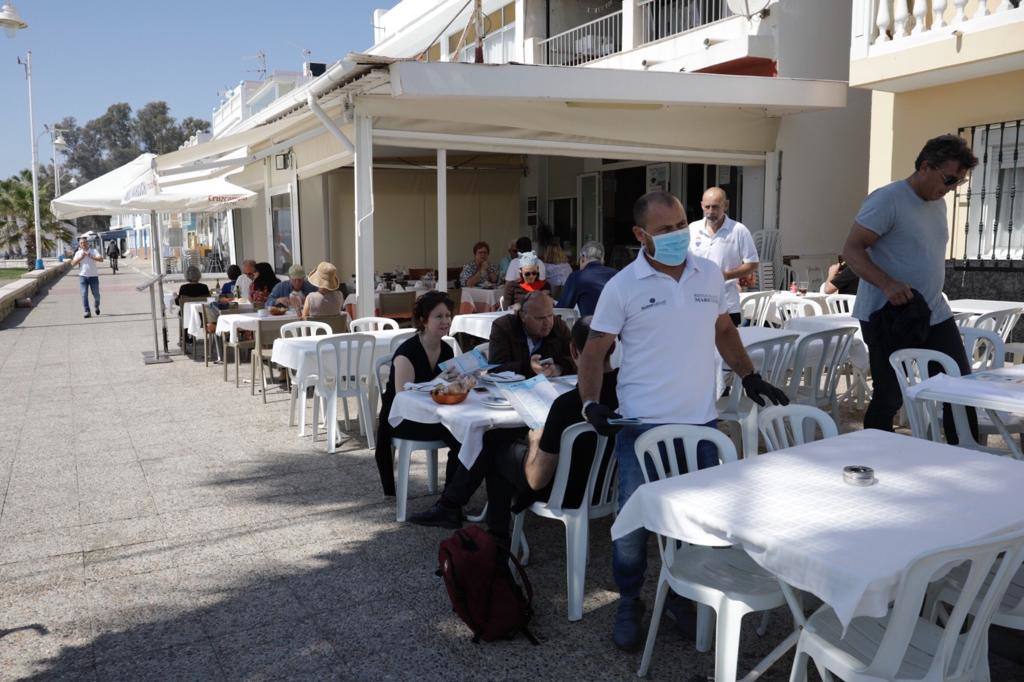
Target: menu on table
(467, 363)
(531, 399)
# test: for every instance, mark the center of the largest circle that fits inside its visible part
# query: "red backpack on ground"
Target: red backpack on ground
(483, 591)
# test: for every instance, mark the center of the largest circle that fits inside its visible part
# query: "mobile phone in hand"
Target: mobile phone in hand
(546, 362)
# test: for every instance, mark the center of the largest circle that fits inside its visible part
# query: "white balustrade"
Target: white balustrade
(585, 43)
(660, 19)
(899, 19)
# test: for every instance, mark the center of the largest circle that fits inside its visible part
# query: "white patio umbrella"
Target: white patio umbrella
(135, 188)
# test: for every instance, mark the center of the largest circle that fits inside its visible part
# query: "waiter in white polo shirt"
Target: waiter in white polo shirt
(669, 313)
(727, 243)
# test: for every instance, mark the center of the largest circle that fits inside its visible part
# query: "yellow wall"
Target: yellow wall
(482, 205)
(902, 122)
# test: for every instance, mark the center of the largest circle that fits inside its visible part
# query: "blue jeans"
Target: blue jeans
(86, 283)
(629, 553)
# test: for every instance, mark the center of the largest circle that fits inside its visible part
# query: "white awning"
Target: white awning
(135, 188)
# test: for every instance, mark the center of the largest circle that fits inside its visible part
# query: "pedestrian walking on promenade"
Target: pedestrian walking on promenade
(86, 259)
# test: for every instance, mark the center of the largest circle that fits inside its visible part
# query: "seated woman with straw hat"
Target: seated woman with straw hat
(327, 299)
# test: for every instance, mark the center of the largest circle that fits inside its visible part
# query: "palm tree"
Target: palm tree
(17, 219)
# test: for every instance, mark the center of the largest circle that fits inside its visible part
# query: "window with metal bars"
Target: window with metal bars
(988, 213)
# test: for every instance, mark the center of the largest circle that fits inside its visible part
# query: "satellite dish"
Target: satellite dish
(748, 8)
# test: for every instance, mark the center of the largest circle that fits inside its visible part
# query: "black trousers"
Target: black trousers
(886, 398)
(500, 464)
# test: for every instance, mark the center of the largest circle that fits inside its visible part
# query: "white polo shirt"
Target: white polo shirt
(667, 333)
(730, 247)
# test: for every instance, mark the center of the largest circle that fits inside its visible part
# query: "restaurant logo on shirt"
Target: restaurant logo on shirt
(705, 298)
(652, 302)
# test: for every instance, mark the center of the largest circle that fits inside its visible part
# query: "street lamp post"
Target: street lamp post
(59, 145)
(12, 22)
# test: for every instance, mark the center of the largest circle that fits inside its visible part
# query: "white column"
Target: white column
(363, 163)
(920, 11)
(882, 19)
(442, 219)
(630, 25)
(938, 9)
(900, 16)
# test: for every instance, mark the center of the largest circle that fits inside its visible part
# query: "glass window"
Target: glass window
(281, 231)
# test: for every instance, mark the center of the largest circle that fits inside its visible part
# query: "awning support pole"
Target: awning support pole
(326, 121)
(442, 219)
(363, 177)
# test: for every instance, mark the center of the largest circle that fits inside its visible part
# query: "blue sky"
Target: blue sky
(88, 55)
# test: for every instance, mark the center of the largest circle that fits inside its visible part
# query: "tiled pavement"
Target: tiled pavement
(158, 523)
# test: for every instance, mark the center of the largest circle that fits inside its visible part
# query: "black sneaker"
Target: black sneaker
(627, 631)
(438, 516)
(97, 311)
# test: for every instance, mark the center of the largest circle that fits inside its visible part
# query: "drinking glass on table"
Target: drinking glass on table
(801, 288)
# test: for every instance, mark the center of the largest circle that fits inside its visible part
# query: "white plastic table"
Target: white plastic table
(232, 323)
(476, 324)
(794, 515)
(482, 300)
(993, 390)
(977, 306)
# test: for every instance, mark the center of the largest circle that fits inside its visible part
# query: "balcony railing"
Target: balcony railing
(585, 43)
(664, 18)
(988, 218)
(898, 20)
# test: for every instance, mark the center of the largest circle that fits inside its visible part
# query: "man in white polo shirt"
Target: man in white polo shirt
(669, 312)
(86, 259)
(727, 243)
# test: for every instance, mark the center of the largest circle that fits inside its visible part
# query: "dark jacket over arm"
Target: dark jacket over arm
(509, 350)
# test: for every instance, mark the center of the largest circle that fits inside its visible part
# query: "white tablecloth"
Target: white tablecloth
(797, 518)
(299, 353)
(193, 316)
(476, 324)
(468, 421)
(483, 300)
(820, 323)
(230, 324)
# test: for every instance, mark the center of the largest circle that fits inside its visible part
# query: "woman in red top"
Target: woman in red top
(529, 281)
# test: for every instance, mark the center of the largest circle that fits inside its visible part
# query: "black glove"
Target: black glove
(755, 387)
(598, 415)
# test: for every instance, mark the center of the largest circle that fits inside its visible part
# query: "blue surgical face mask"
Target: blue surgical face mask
(670, 248)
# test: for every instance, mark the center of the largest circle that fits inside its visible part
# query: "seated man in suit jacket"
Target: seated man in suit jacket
(521, 341)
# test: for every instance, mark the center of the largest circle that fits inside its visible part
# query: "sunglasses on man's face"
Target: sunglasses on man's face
(530, 274)
(952, 180)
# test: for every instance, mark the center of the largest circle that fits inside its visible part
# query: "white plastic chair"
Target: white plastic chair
(925, 416)
(596, 503)
(754, 308)
(568, 315)
(501, 303)
(404, 448)
(840, 304)
(785, 426)
(772, 359)
(985, 350)
(816, 368)
(291, 330)
(902, 645)
(450, 340)
(790, 306)
(340, 374)
(372, 324)
(398, 339)
(726, 580)
(1001, 322)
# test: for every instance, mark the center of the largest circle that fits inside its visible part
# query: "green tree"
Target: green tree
(17, 217)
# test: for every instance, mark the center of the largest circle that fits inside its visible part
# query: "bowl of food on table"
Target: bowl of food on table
(454, 392)
(277, 310)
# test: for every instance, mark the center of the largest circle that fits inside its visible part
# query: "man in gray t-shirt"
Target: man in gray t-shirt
(898, 244)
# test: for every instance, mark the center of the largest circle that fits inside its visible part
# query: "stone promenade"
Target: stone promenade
(157, 523)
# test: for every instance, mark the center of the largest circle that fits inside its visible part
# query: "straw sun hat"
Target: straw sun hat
(325, 277)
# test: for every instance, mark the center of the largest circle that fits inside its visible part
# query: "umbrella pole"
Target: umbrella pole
(158, 269)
